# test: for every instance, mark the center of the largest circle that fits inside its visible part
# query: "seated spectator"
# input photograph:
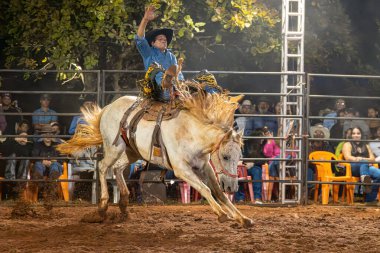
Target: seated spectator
(255, 150)
(339, 104)
(375, 146)
(56, 128)
(360, 155)
(261, 122)
(317, 131)
(44, 117)
(49, 168)
(23, 126)
(373, 113)
(11, 120)
(272, 150)
(347, 135)
(87, 101)
(17, 169)
(336, 131)
(352, 113)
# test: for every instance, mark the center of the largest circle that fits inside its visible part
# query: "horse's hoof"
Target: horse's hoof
(94, 217)
(247, 223)
(223, 218)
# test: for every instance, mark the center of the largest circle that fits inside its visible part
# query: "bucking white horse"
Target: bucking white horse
(202, 130)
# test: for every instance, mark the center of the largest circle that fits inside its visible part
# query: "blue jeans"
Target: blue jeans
(256, 174)
(359, 169)
(375, 175)
(41, 169)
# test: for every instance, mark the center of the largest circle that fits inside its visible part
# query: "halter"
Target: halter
(223, 170)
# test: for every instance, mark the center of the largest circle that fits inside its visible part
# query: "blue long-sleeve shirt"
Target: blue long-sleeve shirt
(152, 54)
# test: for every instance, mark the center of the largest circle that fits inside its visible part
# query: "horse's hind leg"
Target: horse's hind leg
(119, 167)
(111, 155)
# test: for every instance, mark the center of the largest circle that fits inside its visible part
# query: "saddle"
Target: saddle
(149, 110)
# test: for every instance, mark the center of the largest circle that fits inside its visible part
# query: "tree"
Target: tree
(64, 34)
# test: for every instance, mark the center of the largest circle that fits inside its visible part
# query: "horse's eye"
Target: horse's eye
(226, 158)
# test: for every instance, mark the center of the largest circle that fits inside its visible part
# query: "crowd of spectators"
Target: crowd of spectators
(345, 124)
(15, 143)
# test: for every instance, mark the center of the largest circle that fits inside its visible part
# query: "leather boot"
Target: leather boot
(169, 75)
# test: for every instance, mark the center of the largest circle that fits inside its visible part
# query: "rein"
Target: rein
(223, 170)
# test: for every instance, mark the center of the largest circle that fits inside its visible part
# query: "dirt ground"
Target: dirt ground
(192, 228)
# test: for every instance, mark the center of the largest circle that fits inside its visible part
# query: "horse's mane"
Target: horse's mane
(213, 109)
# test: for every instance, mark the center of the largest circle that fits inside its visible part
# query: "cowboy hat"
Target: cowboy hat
(46, 129)
(149, 36)
(321, 128)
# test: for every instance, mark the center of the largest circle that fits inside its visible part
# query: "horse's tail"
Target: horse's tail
(86, 135)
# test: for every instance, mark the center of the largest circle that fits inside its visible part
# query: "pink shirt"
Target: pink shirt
(271, 149)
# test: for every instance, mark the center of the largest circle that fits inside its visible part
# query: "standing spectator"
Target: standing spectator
(6, 99)
(336, 131)
(244, 123)
(3, 122)
(340, 104)
(373, 113)
(261, 122)
(45, 116)
(348, 123)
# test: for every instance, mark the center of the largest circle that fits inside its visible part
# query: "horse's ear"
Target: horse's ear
(239, 133)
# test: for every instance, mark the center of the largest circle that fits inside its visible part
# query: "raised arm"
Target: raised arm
(148, 16)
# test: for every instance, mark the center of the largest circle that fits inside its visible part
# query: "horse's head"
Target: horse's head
(225, 158)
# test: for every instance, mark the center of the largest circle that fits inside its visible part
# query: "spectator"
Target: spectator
(272, 150)
(373, 113)
(3, 122)
(261, 122)
(336, 131)
(360, 155)
(321, 132)
(23, 126)
(51, 168)
(17, 169)
(351, 113)
(347, 135)
(11, 120)
(87, 101)
(44, 117)
(255, 150)
(340, 104)
(244, 123)
(375, 146)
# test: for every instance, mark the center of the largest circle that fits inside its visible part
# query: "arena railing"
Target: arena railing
(101, 92)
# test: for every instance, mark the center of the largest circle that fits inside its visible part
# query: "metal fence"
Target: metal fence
(253, 90)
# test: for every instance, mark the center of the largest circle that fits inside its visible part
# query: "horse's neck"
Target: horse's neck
(209, 134)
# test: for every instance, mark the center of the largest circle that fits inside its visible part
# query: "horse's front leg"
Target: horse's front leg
(184, 172)
(217, 191)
